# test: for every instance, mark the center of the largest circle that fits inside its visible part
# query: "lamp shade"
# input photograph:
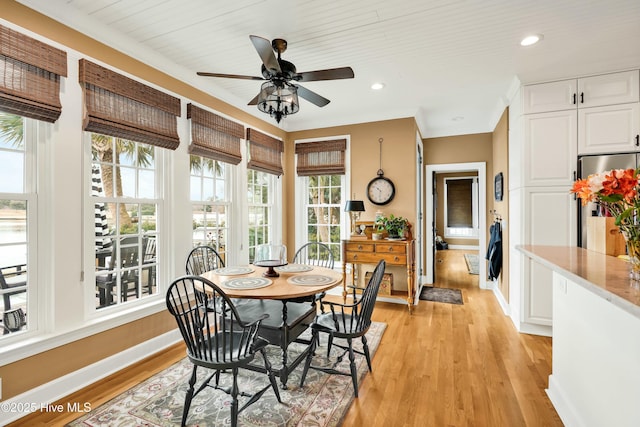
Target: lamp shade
(354, 206)
(278, 100)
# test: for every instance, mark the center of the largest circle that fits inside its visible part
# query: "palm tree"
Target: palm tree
(102, 147)
(12, 129)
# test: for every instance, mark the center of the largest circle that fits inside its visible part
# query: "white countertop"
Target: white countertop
(603, 275)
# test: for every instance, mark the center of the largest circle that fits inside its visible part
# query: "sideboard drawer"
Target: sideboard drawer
(362, 257)
(360, 247)
(391, 248)
(394, 259)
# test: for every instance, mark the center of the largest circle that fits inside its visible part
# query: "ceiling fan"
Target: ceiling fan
(278, 96)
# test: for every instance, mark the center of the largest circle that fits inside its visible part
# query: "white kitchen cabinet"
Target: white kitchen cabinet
(550, 149)
(609, 89)
(550, 219)
(585, 92)
(553, 96)
(609, 129)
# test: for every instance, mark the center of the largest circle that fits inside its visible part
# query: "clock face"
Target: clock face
(381, 190)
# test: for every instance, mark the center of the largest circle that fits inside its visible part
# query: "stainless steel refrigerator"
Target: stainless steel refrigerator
(588, 165)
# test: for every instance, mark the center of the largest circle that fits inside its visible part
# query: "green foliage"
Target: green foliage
(395, 225)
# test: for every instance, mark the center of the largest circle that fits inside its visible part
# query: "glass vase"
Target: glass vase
(632, 238)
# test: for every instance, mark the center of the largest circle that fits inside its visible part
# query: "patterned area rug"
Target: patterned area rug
(158, 401)
(449, 296)
(472, 263)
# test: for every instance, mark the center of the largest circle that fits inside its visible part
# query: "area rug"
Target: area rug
(472, 263)
(158, 401)
(446, 295)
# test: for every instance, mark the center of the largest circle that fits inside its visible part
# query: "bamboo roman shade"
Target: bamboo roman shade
(30, 76)
(265, 152)
(213, 136)
(119, 106)
(321, 157)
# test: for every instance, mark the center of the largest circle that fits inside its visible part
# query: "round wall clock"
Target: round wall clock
(381, 190)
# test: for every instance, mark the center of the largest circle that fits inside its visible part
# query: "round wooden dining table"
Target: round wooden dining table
(281, 287)
(278, 294)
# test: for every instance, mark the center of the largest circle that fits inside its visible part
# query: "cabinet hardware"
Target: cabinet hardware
(581, 97)
(574, 99)
(637, 140)
(359, 247)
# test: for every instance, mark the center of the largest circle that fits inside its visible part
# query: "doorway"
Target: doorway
(431, 198)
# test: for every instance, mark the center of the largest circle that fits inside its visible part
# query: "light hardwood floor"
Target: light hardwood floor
(445, 365)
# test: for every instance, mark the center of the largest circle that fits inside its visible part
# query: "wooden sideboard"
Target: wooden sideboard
(394, 252)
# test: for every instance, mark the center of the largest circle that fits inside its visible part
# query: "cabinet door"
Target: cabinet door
(550, 220)
(610, 129)
(553, 96)
(550, 148)
(609, 89)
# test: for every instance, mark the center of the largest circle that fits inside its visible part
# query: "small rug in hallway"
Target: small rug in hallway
(158, 401)
(449, 296)
(472, 263)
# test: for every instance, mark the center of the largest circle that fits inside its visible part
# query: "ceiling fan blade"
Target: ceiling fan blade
(254, 101)
(311, 96)
(330, 74)
(230, 76)
(265, 50)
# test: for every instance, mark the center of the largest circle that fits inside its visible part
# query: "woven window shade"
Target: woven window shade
(321, 157)
(30, 76)
(265, 152)
(124, 108)
(213, 136)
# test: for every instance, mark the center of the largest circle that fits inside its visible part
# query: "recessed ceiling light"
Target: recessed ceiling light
(377, 86)
(532, 39)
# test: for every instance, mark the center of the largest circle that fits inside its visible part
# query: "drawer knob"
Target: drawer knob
(390, 248)
(355, 257)
(396, 259)
(359, 247)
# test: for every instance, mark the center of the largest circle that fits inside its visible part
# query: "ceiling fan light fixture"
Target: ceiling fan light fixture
(278, 101)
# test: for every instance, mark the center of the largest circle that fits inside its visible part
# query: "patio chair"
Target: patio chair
(221, 342)
(346, 321)
(13, 277)
(129, 272)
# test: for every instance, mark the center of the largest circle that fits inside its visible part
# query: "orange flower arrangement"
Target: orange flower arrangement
(615, 190)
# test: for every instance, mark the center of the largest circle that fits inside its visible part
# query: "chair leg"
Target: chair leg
(189, 396)
(272, 376)
(312, 350)
(234, 399)
(329, 344)
(365, 348)
(352, 365)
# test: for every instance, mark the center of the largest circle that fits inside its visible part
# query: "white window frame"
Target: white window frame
(301, 196)
(229, 178)
(275, 209)
(36, 157)
(88, 275)
(463, 232)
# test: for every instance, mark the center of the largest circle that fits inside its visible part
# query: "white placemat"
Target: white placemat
(246, 283)
(294, 268)
(233, 271)
(311, 280)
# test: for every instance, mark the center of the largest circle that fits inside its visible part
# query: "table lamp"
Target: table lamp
(354, 207)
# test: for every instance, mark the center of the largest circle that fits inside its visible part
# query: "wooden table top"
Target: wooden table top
(280, 288)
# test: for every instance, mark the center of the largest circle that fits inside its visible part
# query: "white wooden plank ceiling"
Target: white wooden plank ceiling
(450, 64)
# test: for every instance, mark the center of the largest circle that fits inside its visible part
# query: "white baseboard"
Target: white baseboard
(503, 303)
(565, 410)
(52, 391)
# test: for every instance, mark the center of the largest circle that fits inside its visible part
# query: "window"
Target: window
(18, 138)
(126, 198)
(261, 195)
(321, 189)
(210, 188)
(461, 207)
(323, 211)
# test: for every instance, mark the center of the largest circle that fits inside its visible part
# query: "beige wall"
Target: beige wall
(501, 164)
